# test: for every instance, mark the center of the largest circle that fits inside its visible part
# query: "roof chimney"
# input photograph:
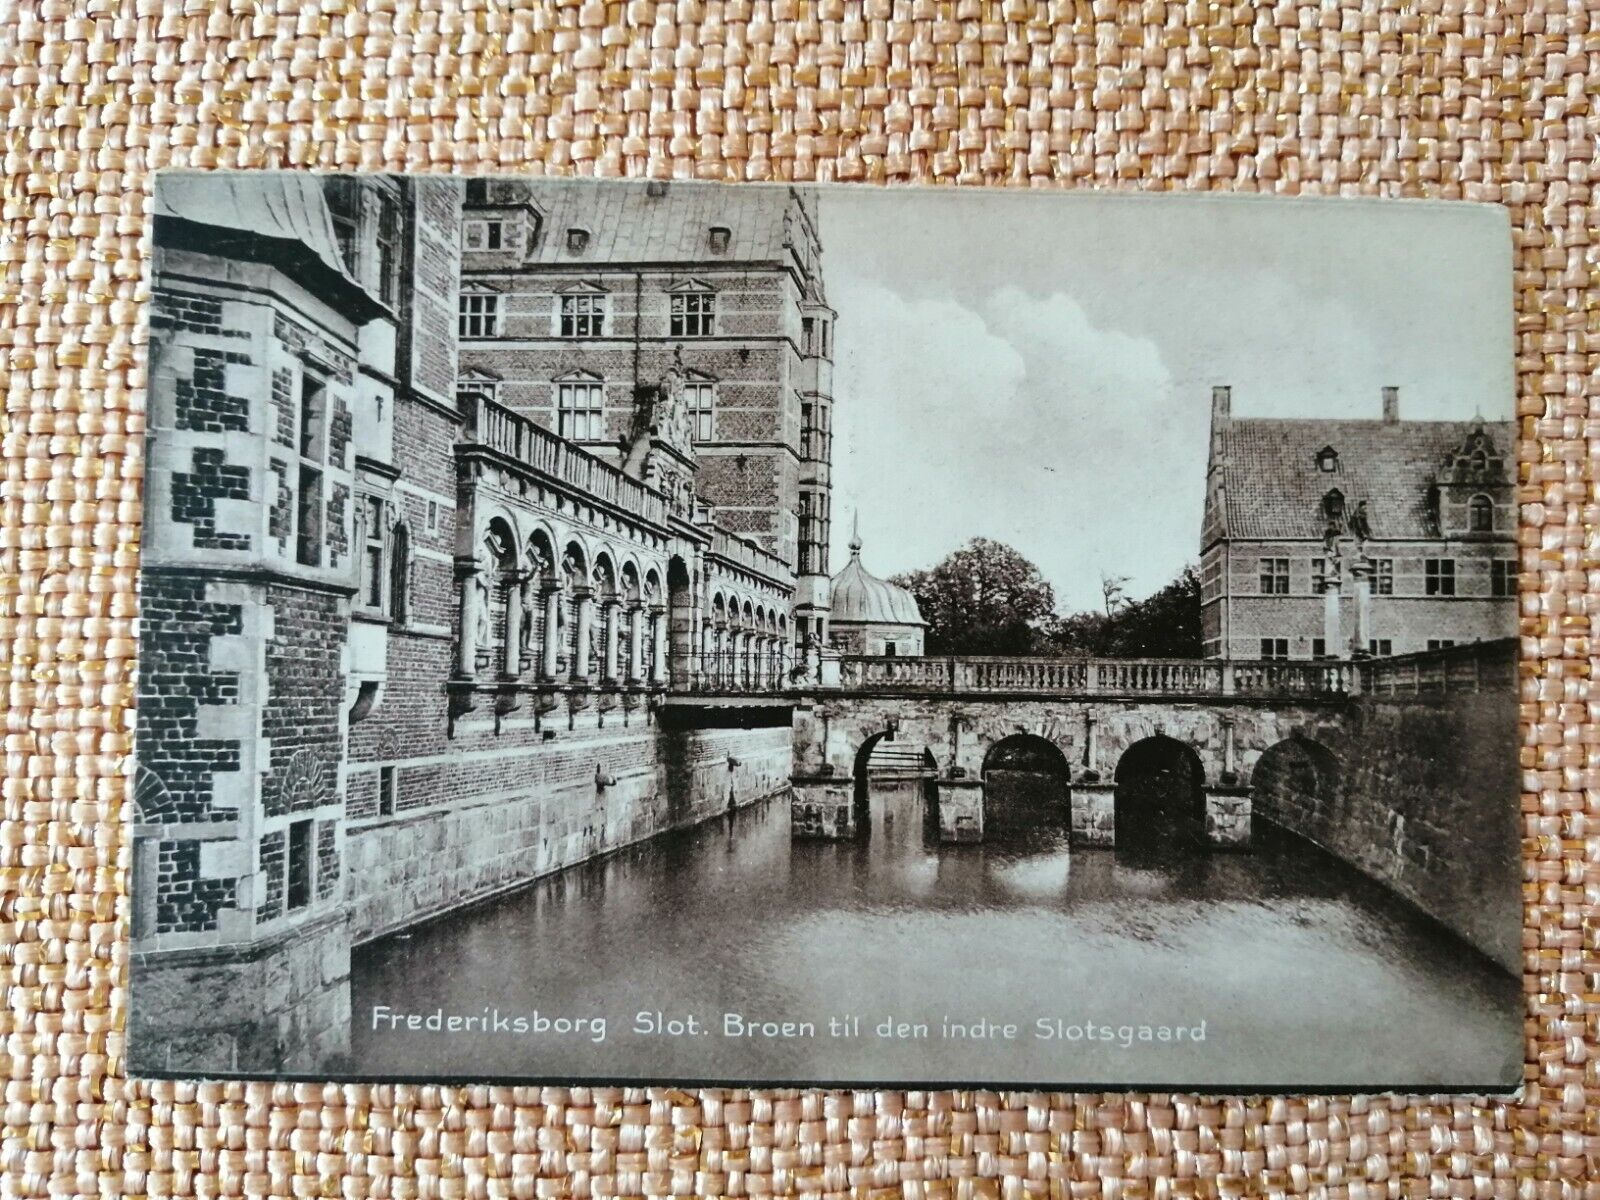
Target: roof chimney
(1221, 407)
(1391, 405)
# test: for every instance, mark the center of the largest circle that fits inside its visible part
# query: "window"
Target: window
(808, 335)
(1482, 514)
(580, 410)
(583, 314)
(814, 432)
(718, 239)
(313, 416)
(1274, 576)
(1333, 506)
(484, 235)
(388, 246)
(1319, 648)
(308, 538)
(1319, 575)
(372, 552)
(480, 314)
(433, 516)
(400, 573)
(299, 865)
(1440, 643)
(577, 240)
(1275, 648)
(344, 207)
(1503, 577)
(1439, 577)
(699, 400)
(1380, 647)
(814, 531)
(890, 650)
(387, 791)
(1328, 459)
(694, 314)
(308, 479)
(1383, 577)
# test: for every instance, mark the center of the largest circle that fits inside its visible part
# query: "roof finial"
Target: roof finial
(855, 534)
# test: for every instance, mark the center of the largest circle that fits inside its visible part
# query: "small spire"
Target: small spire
(855, 534)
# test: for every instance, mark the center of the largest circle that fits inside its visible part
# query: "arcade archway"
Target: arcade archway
(1160, 795)
(1026, 787)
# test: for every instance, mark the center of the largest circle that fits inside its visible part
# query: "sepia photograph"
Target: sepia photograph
(760, 634)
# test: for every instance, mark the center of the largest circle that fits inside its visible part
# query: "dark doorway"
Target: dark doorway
(1026, 788)
(1160, 798)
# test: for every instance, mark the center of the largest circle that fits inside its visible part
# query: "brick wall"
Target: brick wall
(176, 626)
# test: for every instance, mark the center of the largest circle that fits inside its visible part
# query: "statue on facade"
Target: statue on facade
(525, 633)
(670, 418)
(1359, 528)
(481, 628)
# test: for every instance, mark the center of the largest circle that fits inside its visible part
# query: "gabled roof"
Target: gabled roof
(628, 222)
(1274, 486)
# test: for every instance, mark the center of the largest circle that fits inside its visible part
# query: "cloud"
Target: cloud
(1013, 418)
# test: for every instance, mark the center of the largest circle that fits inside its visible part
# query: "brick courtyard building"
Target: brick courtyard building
(405, 626)
(1347, 538)
(576, 297)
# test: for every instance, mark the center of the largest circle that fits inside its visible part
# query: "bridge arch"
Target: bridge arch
(1160, 793)
(1027, 786)
(1296, 784)
(912, 761)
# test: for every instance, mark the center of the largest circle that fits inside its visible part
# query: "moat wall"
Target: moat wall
(454, 852)
(1422, 797)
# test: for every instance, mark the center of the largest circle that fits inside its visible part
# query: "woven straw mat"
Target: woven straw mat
(1465, 99)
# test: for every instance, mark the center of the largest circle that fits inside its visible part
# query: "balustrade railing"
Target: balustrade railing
(763, 671)
(515, 436)
(1480, 666)
(1473, 667)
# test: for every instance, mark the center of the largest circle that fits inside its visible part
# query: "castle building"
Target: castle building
(385, 610)
(574, 298)
(1334, 539)
(873, 616)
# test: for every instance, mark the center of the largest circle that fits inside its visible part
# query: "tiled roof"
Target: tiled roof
(627, 223)
(1275, 487)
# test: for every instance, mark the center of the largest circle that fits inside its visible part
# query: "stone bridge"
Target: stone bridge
(1139, 746)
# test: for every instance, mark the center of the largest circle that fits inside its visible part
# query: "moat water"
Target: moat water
(1280, 966)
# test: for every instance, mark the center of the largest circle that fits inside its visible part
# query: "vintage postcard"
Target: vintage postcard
(653, 631)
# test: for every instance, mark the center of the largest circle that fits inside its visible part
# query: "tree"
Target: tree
(1114, 589)
(1164, 625)
(984, 598)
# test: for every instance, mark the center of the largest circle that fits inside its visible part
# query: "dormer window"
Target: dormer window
(1333, 506)
(1328, 460)
(577, 240)
(720, 236)
(1481, 511)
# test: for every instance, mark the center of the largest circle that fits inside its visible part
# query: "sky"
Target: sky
(1037, 368)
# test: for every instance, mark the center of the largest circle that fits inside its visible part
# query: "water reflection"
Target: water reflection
(1302, 971)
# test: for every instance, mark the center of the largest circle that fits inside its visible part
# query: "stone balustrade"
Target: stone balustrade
(1475, 667)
